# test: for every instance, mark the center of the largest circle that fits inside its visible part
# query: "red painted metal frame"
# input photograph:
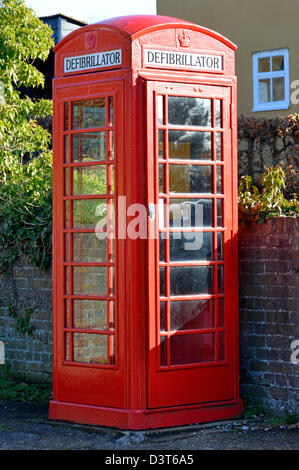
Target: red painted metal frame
(127, 394)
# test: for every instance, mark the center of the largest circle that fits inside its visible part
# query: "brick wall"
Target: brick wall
(269, 312)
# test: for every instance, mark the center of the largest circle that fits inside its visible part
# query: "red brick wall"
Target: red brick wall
(269, 312)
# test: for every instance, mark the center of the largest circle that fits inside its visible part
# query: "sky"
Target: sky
(92, 11)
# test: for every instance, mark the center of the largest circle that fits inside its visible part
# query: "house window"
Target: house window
(271, 80)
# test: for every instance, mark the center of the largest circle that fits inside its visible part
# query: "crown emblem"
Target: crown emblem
(90, 40)
(184, 39)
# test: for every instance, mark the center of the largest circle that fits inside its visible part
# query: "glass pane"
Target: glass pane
(191, 246)
(221, 346)
(190, 178)
(66, 148)
(220, 280)
(189, 111)
(264, 64)
(90, 314)
(190, 349)
(66, 116)
(161, 247)
(66, 213)
(160, 109)
(278, 89)
(88, 248)
(221, 312)
(218, 111)
(112, 356)
(219, 212)
(162, 316)
(67, 280)
(90, 280)
(90, 213)
(67, 313)
(66, 247)
(111, 140)
(163, 351)
(66, 182)
(90, 348)
(190, 212)
(89, 147)
(67, 347)
(219, 179)
(161, 145)
(190, 145)
(189, 280)
(192, 314)
(89, 180)
(89, 113)
(161, 178)
(219, 146)
(111, 110)
(220, 246)
(162, 282)
(265, 91)
(278, 63)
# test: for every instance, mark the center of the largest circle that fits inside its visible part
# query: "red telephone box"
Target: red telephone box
(145, 225)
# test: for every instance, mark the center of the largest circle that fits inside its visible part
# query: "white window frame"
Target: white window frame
(272, 105)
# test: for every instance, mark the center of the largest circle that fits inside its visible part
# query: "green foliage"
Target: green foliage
(23, 322)
(261, 204)
(12, 388)
(25, 189)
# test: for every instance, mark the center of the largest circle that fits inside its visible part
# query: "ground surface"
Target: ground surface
(25, 426)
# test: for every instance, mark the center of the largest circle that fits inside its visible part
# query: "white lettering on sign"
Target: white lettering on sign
(92, 61)
(183, 60)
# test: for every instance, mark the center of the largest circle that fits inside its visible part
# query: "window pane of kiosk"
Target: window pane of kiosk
(186, 111)
(90, 280)
(220, 246)
(66, 116)
(89, 213)
(190, 349)
(190, 178)
(67, 347)
(221, 346)
(89, 180)
(192, 314)
(162, 282)
(191, 246)
(111, 110)
(220, 280)
(89, 248)
(90, 314)
(219, 212)
(66, 148)
(219, 179)
(160, 109)
(89, 113)
(218, 112)
(163, 351)
(161, 178)
(221, 312)
(161, 145)
(190, 145)
(191, 280)
(190, 212)
(218, 146)
(89, 147)
(90, 348)
(162, 316)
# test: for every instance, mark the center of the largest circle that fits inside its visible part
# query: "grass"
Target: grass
(13, 388)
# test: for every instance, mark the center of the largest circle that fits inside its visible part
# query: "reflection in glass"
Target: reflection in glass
(192, 314)
(218, 146)
(89, 180)
(90, 314)
(189, 280)
(88, 248)
(66, 181)
(219, 179)
(66, 247)
(218, 111)
(67, 346)
(162, 316)
(220, 280)
(221, 323)
(67, 313)
(191, 246)
(190, 349)
(89, 113)
(163, 351)
(190, 212)
(264, 64)
(161, 247)
(161, 145)
(278, 63)
(190, 178)
(220, 246)
(161, 178)
(278, 89)
(89, 147)
(160, 109)
(92, 213)
(162, 282)
(66, 148)
(264, 90)
(190, 145)
(90, 280)
(111, 110)
(67, 280)
(219, 212)
(189, 111)
(66, 213)
(90, 348)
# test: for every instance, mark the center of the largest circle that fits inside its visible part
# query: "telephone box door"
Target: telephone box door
(191, 270)
(88, 175)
